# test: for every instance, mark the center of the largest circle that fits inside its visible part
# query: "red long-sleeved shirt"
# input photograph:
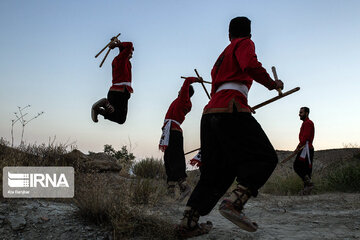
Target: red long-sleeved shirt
(237, 63)
(121, 68)
(181, 105)
(307, 132)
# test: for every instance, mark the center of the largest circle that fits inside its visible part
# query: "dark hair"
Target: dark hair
(240, 27)
(191, 91)
(306, 109)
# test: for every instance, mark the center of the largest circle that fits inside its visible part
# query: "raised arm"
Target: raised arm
(184, 91)
(247, 59)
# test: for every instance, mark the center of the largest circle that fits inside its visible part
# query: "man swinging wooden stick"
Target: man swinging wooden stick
(233, 144)
(196, 161)
(202, 83)
(171, 141)
(107, 53)
(115, 106)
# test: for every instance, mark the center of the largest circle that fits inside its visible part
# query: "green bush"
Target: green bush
(150, 168)
(122, 154)
(345, 178)
(283, 185)
(124, 157)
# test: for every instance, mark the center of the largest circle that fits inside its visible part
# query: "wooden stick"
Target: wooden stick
(202, 83)
(192, 151)
(107, 53)
(292, 155)
(106, 46)
(276, 98)
(202, 80)
(276, 78)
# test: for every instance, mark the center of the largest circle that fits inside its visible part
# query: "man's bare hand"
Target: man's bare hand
(199, 79)
(279, 84)
(112, 45)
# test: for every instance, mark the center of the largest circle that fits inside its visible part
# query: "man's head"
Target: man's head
(304, 113)
(239, 27)
(121, 48)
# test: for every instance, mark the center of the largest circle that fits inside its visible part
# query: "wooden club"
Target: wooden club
(276, 78)
(202, 83)
(112, 39)
(292, 155)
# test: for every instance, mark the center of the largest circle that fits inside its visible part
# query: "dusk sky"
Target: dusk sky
(47, 61)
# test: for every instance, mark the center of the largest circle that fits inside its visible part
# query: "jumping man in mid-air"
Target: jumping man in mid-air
(115, 106)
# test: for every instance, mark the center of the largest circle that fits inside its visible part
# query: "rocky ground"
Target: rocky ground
(326, 216)
(40, 219)
(323, 216)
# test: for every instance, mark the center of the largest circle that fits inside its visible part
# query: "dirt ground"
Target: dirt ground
(323, 216)
(326, 216)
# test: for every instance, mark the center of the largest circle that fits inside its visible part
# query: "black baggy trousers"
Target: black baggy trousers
(119, 100)
(233, 145)
(174, 157)
(302, 166)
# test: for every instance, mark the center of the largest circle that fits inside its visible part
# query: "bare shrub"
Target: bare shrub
(150, 168)
(20, 117)
(350, 145)
(51, 150)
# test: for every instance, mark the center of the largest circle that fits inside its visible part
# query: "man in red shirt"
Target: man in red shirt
(233, 144)
(114, 107)
(304, 159)
(171, 141)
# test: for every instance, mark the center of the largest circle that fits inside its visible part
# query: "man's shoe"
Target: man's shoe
(95, 109)
(185, 190)
(308, 186)
(94, 115)
(236, 216)
(307, 190)
(101, 107)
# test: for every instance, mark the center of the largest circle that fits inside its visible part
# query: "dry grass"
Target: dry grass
(30, 155)
(124, 206)
(147, 191)
(342, 175)
(283, 185)
(150, 168)
(119, 203)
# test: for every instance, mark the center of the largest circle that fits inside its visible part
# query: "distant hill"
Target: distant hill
(323, 159)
